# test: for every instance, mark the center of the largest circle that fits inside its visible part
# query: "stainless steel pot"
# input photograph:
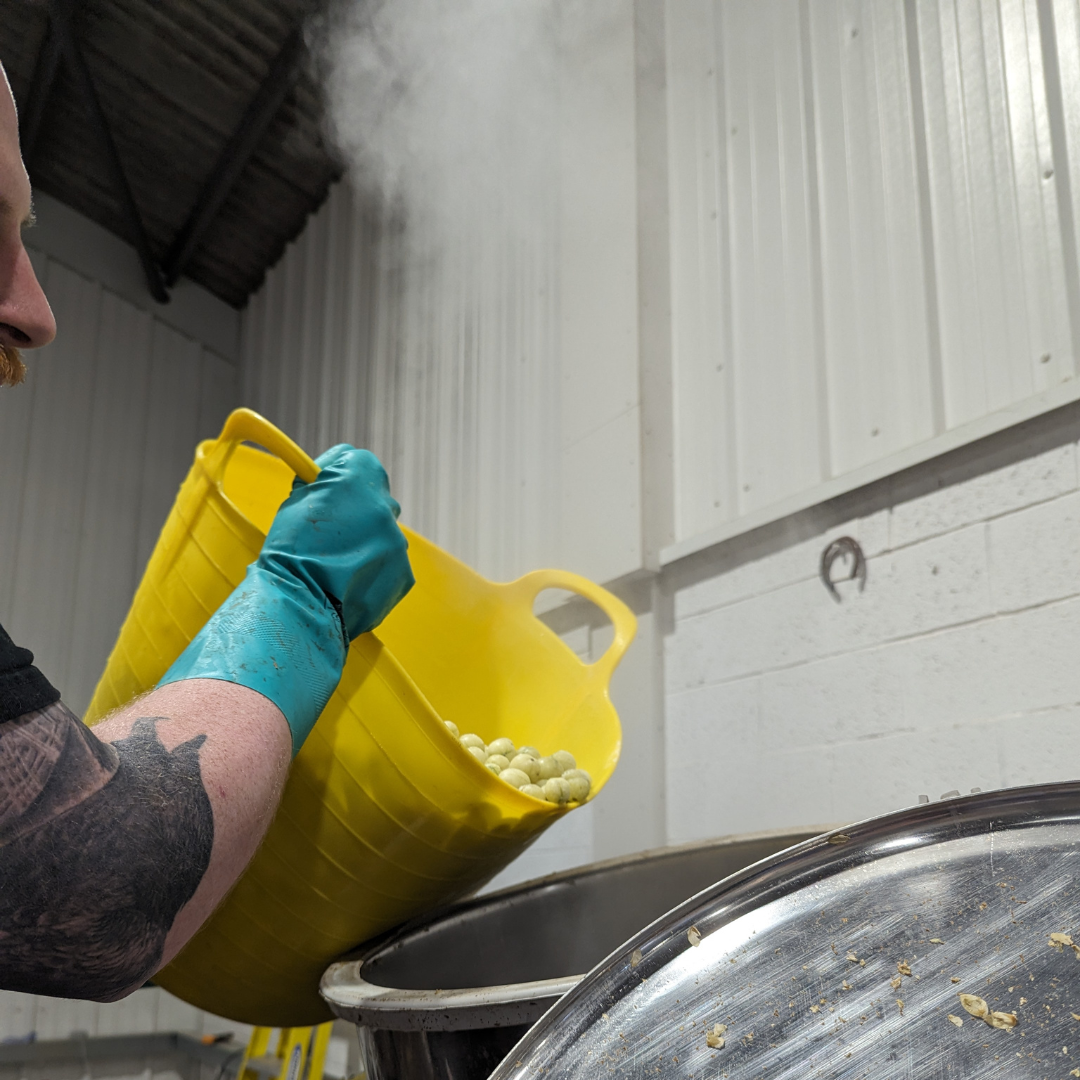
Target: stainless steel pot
(937, 942)
(445, 998)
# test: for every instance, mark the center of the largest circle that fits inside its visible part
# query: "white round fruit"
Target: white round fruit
(565, 760)
(534, 790)
(493, 765)
(549, 768)
(499, 759)
(478, 752)
(514, 777)
(529, 751)
(452, 728)
(557, 790)
(579, 787)
(502, 746)
(473, 740)
(528, 765)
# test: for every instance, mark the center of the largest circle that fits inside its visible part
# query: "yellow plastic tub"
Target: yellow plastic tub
(384, 814)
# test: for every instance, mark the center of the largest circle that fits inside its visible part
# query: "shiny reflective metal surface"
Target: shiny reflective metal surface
(449, 995)
(804, 959)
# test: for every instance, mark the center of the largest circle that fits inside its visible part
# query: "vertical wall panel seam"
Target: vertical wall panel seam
(653, 248)
(813, 200)
(727, 257)
(139, 507)
(142, 441)
(78, 513)
(926, 225)
(1055, 108)
(1013, 193)
(13, 561)
(95, 389)
(331, 351)
(274, 344)
(355, 359)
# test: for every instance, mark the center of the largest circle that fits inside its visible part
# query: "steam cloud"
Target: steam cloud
(459, 121)
(446, 109)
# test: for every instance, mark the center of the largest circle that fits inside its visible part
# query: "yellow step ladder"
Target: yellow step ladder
(299, 1055)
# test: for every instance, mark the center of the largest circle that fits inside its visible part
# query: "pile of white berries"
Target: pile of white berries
(554, 779)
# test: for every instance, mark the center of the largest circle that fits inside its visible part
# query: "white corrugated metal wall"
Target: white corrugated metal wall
(873, 260)
(873, 240)
(94, 447)
(874, 251)
(445, 369)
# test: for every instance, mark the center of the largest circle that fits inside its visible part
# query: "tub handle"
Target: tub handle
(526, 589)
(246, 425)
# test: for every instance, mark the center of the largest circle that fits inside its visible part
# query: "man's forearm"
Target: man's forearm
(244, 764)
(109, 868)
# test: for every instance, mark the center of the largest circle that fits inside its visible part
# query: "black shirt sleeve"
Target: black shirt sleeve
(23, 689)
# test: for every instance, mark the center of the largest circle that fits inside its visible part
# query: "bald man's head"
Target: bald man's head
(26, 320)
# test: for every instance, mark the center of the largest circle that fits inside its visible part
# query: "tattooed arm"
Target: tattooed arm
(116, 843)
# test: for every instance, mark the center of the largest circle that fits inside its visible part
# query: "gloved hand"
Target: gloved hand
(333, 566)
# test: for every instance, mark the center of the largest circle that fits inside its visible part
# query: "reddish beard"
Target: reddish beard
(12, 368)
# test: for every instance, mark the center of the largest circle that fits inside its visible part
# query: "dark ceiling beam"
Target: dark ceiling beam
(235, 156)
(60, 43)
(37, 97)
(83, 79)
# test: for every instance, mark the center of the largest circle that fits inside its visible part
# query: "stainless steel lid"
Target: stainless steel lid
(845, 957)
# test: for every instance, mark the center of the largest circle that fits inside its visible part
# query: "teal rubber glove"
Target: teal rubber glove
(333, 566)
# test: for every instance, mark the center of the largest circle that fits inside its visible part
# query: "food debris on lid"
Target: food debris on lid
(1058, 940)
(954, 979)
(693, 935)
(956, 1020)
(839, 838)
(852, 957)
(900, 1006)
(895, 983)
(635, 958)
(936, 941)
(981, 1011)
(715, 1038)
(904, 967)
(974, 1005)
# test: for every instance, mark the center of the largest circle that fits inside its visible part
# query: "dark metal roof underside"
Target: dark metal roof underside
(175, 79)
